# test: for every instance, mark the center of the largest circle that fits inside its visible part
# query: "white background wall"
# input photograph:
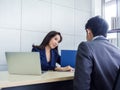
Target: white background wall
(97, 7)
(26, 22)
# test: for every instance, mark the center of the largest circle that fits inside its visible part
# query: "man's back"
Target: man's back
(106, 64)
(102, 60)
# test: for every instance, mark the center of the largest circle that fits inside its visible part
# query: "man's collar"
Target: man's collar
(98, 37)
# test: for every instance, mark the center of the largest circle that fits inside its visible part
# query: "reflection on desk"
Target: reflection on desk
(7, 80)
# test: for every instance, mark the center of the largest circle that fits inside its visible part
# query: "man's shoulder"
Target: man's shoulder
(88, 45)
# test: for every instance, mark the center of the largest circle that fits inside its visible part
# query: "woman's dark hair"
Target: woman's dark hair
(97, 25)
(47, 39)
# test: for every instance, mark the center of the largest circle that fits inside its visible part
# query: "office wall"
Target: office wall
(97, 7)
(26, 22)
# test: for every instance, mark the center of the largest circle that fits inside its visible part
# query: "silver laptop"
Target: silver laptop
(26, 63)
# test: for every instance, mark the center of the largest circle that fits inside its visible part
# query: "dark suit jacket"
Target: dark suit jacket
(54, 58)
(97, 63)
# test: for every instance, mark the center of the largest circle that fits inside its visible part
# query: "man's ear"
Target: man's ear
(89, 34)
(88, 31)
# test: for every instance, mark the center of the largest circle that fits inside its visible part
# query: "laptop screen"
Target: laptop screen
(23, 63)
(68, 57)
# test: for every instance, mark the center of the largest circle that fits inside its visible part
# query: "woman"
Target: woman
(48, 50)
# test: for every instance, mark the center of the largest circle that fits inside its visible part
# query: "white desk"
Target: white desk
(7, 80)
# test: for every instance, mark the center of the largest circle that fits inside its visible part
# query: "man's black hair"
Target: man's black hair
(97, 25)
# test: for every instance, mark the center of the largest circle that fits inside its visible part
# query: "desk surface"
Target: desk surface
(7, 80)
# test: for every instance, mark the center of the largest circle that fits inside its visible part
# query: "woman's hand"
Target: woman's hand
(67, 68)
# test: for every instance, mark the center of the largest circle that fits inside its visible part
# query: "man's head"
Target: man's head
(96, 26)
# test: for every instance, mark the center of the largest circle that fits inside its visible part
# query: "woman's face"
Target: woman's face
(54, 41)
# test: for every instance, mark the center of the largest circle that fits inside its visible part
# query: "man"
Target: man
(97, 60)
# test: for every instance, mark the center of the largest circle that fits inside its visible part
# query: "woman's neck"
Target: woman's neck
(47, 49)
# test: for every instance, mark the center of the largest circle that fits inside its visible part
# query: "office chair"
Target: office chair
(116, 85)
